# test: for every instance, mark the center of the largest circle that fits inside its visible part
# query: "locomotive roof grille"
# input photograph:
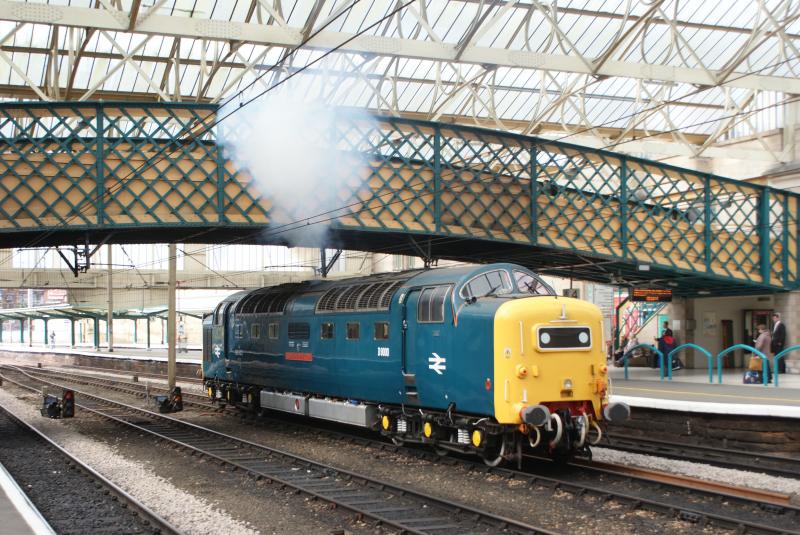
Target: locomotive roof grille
(263, 302)
(349, 299)
(359, 297)
(327, 302)
(386, 298)
(371, 296)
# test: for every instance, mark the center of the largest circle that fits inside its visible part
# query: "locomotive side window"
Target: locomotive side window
(430, 307)
(255, 331)
(273, 331)
(381, 330)
(489, 283)
(353, 330)
(299, 331)
(327, 331)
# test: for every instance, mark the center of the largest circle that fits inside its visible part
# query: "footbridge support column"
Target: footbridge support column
(788, 304)
(171, 316)
(110, 293)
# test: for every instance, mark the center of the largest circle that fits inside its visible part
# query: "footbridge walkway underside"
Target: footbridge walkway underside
(75, 173)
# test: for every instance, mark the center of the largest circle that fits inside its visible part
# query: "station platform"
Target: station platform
(157, 353)
(690, 391)
(17, 514)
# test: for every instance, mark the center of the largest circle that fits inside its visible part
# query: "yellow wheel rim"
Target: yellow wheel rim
(427, 429)
(385, 423)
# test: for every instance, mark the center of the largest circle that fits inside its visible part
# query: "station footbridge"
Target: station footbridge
(80, 172)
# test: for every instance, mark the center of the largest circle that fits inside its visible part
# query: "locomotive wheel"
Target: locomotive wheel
(441, 452)
(493, 453)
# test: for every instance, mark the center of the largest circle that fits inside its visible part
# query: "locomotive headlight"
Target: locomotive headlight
(545, 338)
(567, 384)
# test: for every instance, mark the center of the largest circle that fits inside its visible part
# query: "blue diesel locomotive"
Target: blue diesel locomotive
(484, 359)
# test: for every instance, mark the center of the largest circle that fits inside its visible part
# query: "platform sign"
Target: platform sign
(651, 295)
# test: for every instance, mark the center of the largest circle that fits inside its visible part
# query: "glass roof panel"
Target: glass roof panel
(571, 63)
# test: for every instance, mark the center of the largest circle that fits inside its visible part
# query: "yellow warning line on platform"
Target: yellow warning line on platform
(705, 394)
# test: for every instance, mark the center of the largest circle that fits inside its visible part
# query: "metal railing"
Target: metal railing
(710, 360)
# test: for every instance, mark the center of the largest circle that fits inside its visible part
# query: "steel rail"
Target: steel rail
(151, 375)
(126, 387)
(115, 495)
(769, 503)
(728, 458)
(388, 504)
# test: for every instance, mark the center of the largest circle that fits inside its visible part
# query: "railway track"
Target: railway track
(126, 387)
(686, 499)
(150, 375)
(727, 458)
(390, 505)
(71, 496)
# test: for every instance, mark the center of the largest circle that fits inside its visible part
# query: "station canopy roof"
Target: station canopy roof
(67, 311)
(613, 73)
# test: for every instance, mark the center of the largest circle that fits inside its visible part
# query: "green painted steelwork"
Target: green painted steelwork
(77, 172)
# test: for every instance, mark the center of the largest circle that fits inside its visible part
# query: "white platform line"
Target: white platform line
(23, 504)
(742, 409)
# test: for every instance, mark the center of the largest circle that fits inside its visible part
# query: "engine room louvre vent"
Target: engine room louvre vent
(349, 299)
(359, 297)
(266, 303)
(327, 303)
(371, 297)
(278, 304)
(386, 298)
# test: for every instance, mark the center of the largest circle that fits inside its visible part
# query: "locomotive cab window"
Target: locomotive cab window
(353, 330)
(272, 331)
(255, 331)
(495, 282)
(327, 331)
(430, 307)
(530, 284)
(299, 331)
(381, 330)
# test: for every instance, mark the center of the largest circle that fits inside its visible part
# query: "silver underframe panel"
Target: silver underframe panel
(294, 403)
(342, 411)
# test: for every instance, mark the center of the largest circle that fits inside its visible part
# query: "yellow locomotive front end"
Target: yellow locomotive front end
(551, 378)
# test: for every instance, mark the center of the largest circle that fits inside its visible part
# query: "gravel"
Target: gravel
(181, 509)
(728, 476)
(564, 511)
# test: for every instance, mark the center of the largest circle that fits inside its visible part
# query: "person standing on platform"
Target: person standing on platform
(763, 343)
(666, 343)
(778, 340)
(52, 340)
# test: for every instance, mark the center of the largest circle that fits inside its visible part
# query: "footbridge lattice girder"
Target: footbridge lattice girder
(78, 171)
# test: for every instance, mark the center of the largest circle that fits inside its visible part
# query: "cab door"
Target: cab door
(426, 344)
(215, 350)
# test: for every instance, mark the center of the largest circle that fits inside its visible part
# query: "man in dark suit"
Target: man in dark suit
(778, 340)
